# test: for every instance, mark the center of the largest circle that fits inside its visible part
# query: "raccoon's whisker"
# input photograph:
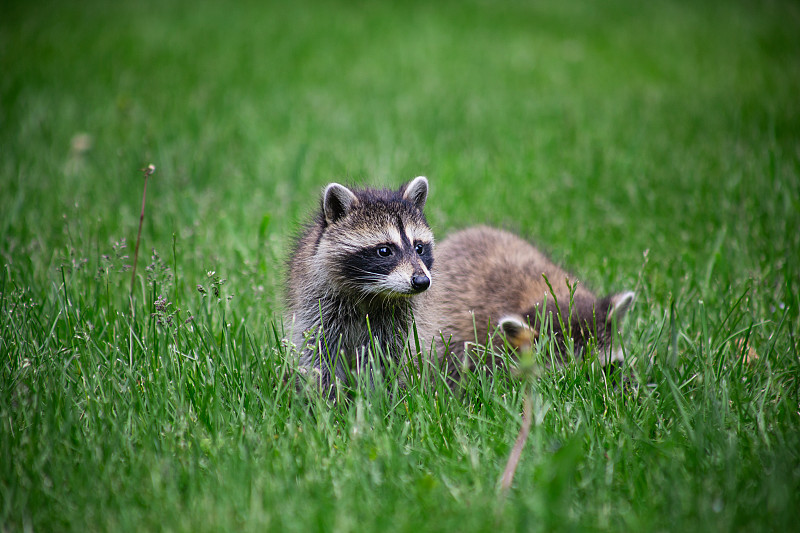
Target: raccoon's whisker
(366, 271)
(366, 276)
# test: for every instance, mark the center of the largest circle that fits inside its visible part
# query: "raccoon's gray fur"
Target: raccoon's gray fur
(354, 276)
(488, 281)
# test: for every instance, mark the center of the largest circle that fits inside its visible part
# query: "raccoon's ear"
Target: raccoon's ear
(337, 201)
(518, 333)
(619, 305)
(416, 191)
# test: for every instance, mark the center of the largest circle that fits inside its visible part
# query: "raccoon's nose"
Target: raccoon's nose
(420, 282)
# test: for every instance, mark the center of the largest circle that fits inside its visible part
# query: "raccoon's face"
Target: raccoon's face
(377, 244)
(592, 323)
(617, 305)
(390, 261)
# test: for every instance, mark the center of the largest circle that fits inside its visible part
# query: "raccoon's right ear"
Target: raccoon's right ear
(619, 305)
(416, 191)
(518, 333)
(337, 201)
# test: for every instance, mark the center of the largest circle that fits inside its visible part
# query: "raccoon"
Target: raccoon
(355, 276)
(490, 281)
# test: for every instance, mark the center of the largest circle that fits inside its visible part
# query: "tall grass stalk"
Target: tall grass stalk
(147, 172)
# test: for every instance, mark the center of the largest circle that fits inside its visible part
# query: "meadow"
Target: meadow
(651, 146)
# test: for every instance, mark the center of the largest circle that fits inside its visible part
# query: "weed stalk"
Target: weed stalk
(148, 171)
(529, 370)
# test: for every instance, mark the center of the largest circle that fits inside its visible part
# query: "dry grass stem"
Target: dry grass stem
(519, 445)
(148, 171)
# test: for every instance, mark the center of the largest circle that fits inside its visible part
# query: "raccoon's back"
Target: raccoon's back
(481, 275)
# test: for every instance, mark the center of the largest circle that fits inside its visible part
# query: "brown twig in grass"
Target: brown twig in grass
(528, 369)
(519, 445)
(148, 171)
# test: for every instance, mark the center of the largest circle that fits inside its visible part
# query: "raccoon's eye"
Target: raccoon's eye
(419, 248)
(384, 251)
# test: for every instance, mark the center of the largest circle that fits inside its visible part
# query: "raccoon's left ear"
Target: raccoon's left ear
(416, 191)
(518, 333)
(619, 305)
(337, 201)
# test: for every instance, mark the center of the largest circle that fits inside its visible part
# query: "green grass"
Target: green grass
(653, 147)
